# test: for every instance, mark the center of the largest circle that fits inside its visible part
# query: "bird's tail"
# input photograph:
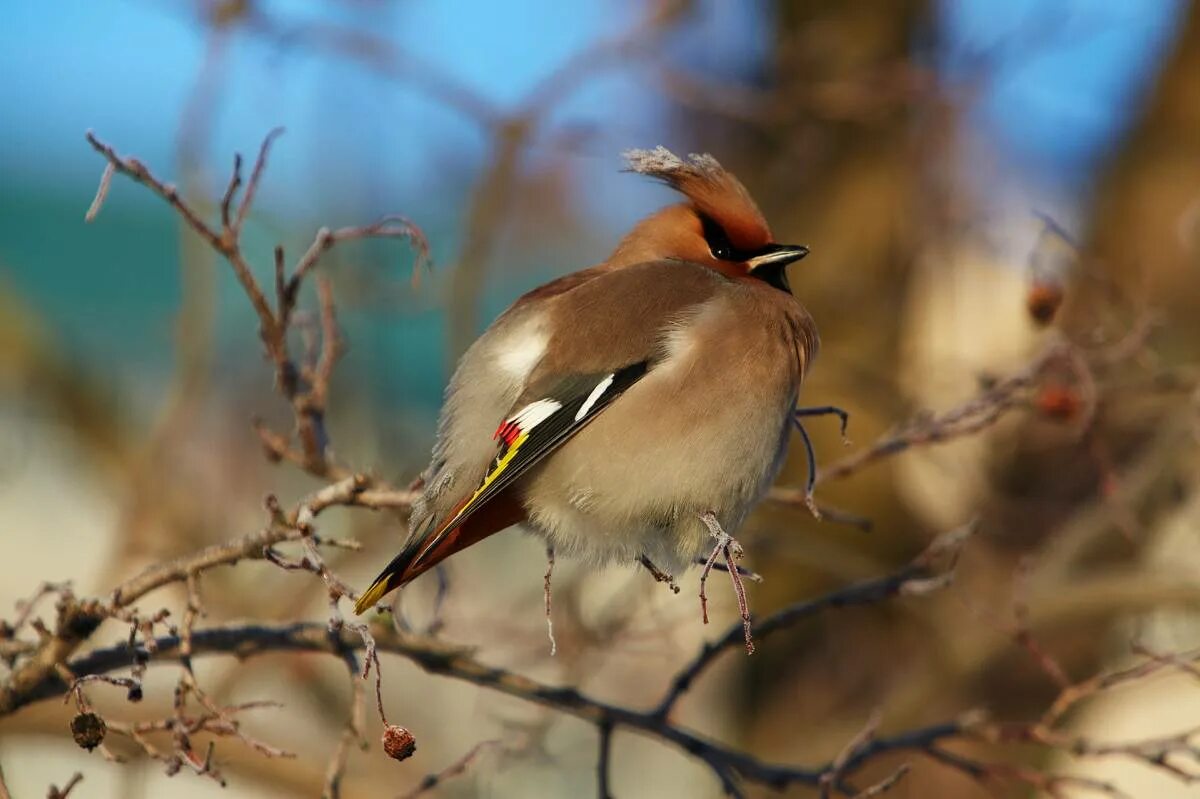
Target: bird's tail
(427, 550)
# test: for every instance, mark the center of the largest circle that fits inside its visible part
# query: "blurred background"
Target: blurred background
(947, 162)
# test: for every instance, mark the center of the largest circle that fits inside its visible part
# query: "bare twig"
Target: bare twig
(886, 784)
(455, 769)
(306, 394)
(256, 175)
(546, 592)
(62, 793)
(727, 764)
(352, 735)
(832, 778)
(603, 762)
(732, 551)
(869, 592)
(972, 416)
(101, 193)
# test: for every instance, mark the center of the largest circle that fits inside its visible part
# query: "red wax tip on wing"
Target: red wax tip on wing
(508, 431)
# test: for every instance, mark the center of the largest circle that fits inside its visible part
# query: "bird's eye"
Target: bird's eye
(718, 242)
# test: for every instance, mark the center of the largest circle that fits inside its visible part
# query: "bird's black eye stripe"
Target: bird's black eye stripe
(719, 244)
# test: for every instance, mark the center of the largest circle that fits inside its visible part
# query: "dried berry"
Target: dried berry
(398, 742)
(1059, 402)
(1043, 301)
(88, 729)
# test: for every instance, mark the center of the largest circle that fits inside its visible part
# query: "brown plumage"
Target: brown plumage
(608, 409)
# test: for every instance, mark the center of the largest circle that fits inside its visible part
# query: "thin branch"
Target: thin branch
(546, 592)
(976, 414)
(235, 182)
(603, 762)
(224, 242)
(65, 791)
(865, 593)
(101, 193)
(260, 164)
(455, 769)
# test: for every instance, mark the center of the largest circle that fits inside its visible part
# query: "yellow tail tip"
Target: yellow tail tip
(370, 597)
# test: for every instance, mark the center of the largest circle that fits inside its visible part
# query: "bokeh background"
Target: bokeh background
(940, 159)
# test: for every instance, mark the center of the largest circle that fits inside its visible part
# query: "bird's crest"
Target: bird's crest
(713, 191)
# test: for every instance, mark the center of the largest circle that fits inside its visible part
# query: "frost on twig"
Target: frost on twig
(546, 598)
(727, 546)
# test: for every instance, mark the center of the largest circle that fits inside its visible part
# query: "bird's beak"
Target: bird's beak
(777, 255)
(770, 265)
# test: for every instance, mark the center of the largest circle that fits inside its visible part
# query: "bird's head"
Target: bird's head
(719, 226)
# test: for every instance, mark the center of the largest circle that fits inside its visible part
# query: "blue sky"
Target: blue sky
(1065, 80)
(1066, 77)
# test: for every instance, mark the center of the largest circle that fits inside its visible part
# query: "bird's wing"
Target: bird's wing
(526, 436)
(536, 428)
(608, 332)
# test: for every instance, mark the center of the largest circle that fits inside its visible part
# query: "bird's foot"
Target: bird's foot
(828, 410)
(822, 410)
(658, 574)
(727, 546)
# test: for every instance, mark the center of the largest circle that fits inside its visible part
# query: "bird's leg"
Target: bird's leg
(726, 545)
(809, 501)
(658, 574)
(546, 589)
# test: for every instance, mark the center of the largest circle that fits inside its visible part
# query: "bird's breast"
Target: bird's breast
(706, 429)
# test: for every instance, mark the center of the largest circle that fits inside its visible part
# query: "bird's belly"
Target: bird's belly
(610, 495)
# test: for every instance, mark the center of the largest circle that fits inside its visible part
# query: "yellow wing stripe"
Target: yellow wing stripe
(496, 471)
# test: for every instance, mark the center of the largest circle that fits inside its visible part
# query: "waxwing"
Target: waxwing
(609, 410)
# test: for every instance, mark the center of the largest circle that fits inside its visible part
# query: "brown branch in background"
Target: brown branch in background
(44, 663)
(604, 762)
(306, 392)
(831, 780)
(975, 415)
(354, 733)
(510, 133)
(936, 562)
(440, 658)
(726, 763)
(510, 138)
(101, 193)
(235, 182)
(546, 597)
(455, 769)
(995, 399)
(77, 619)
(233, 230)
(25, 608)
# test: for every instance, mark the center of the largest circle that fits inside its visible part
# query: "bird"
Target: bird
(631, 411)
